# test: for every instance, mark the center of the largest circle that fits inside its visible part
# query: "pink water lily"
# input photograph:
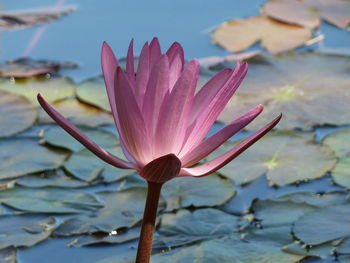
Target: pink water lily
(161, 120)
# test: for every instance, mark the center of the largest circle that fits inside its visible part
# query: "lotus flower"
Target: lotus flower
(161, 120)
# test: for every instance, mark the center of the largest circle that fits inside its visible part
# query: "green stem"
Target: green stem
(148, 223)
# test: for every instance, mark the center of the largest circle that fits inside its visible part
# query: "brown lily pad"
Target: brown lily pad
(308, 13)
(310, 89)
(239, 34)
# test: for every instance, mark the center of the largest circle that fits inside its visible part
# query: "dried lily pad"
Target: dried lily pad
(93, 91)
(239, 34)
(227, 250)
(23, 18)
(212, 190)
(324, 225)
(121, 209)
(49, 200)
(284, 157)
(8, 255)
(85, 166)
(23, 156)
(340, 144)
(78, 113)
(308, 88)
(24, 230)
(56, 136)
(28, 67)
(309, 12)
(17, 113)
(52, 89)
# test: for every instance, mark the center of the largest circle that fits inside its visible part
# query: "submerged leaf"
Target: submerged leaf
(238, 34)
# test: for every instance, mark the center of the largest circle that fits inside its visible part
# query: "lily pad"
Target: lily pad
(344, 247)
(93, 91)
(339, 142)
(17, 113)
(56, 136)
(122, 209)
(324, 225)
(78, 113)
(308, 13)
(24, 230)
(212, 190)
(49, 200)
(85, 166)
(227, 250)
(8, 255)
(23, 156)
(284, 157)
(298, 85)
(52, 89)
(239, 34)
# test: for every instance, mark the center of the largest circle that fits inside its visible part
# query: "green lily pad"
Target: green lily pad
(308, 88)
(324, 225)
(78, 113)
(339, 142)
(24, 230)
(121, 209)
(185, 227)
(52, 89)
(49, 200)
(211, 190)
(280, 235)
(8, 255)
(323, 251)
(93, 91)
(55, 178)
(85, 166)
(17, 113)
(285, 158)
(227, 250)
(344, 247)
(23, 156)
(56, 136)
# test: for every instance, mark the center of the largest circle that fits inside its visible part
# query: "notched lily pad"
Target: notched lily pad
(24, 230)
(238, 34)
(49, 200)
(17, 113)
(310, 89)
(285, 158)
(20, 156)
(211, 190)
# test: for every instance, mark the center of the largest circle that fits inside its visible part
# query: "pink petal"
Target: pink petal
(213, 142)
(205, 119)
(154, 52)
(130, 70)
(176, 61)
(161, 169)
(131, 123)
(82, 138)
(174, 112)
(143, 72)
(157, 89)
(222, 160)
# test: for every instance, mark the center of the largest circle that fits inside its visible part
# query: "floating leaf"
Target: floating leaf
(324, 225)
(212, 190)
(93, 91)
(227, 250)
(339, 142)
(323, 251)
(24, 230)
(49, 200)
(122, 209)
(238, 34)
(17, 113)
(309, 12)
(28, 67)
(8, 255)
(23, 156)
(308, 88)
(78, 113)
(56, 136)
(344, 247)
(284, 157)
(52, 89)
